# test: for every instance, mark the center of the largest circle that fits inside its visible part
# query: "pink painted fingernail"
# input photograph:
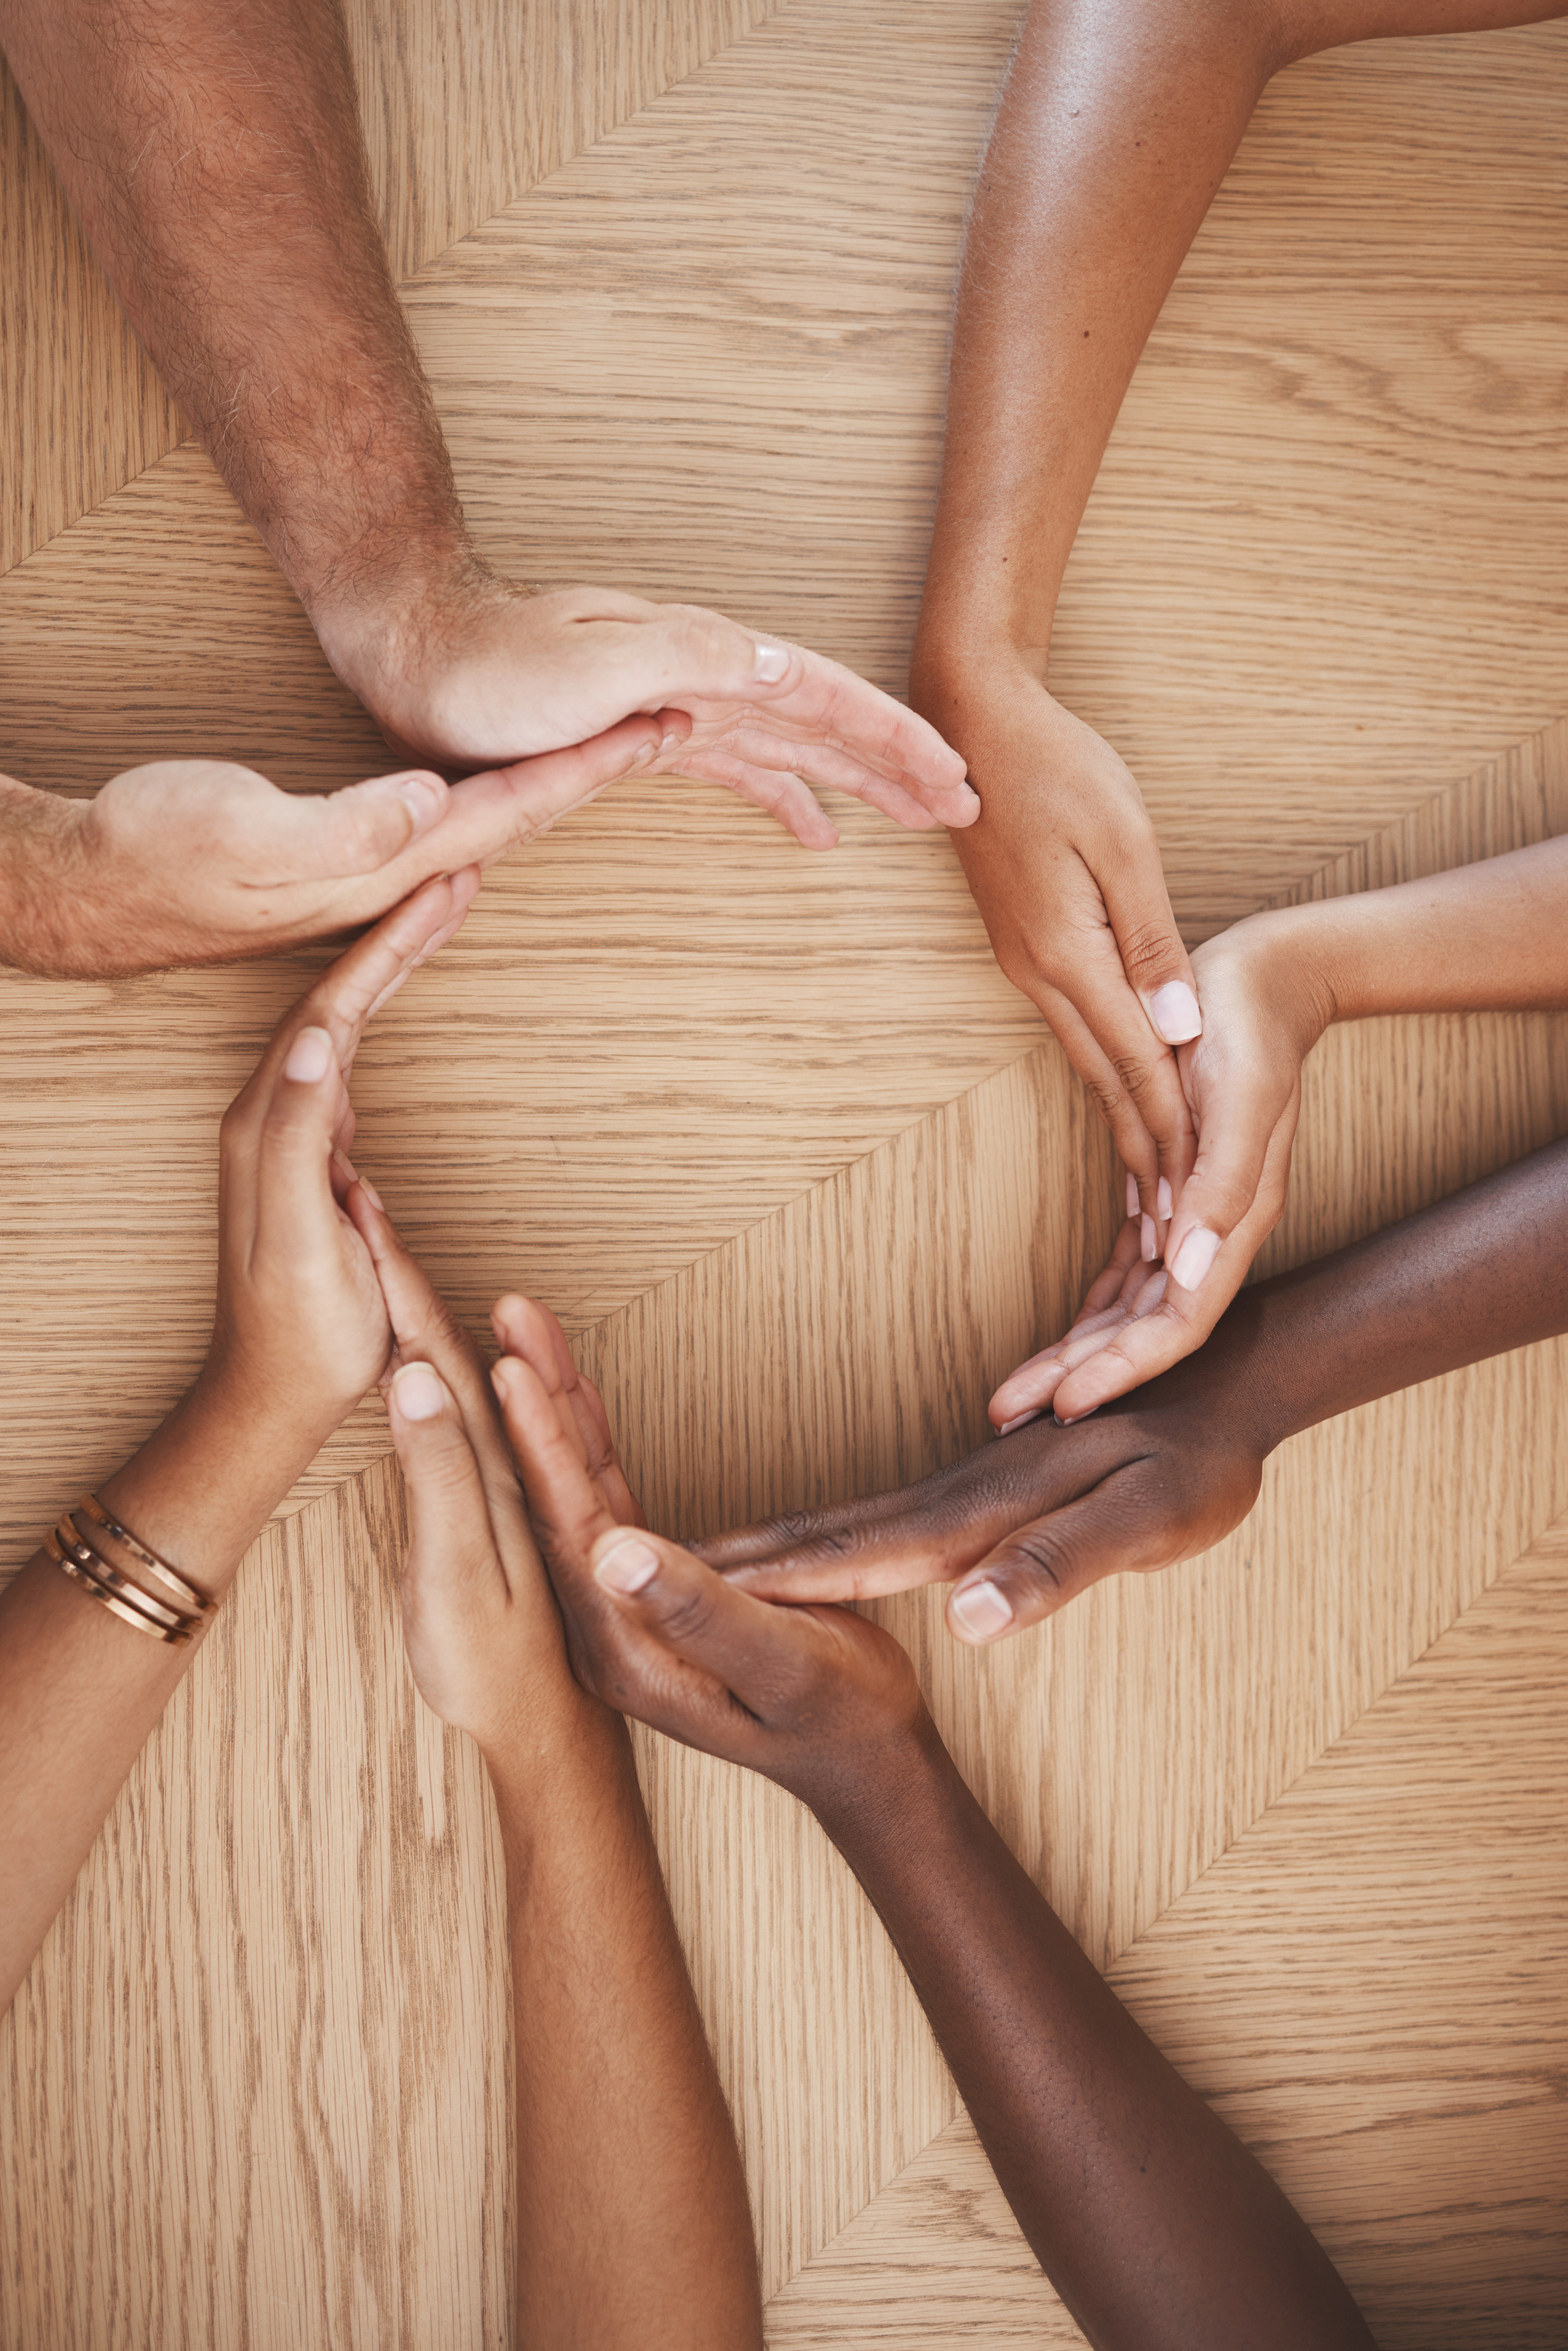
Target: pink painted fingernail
(419, 1394)
(772, 661)
(1007, 1427)
(1196, 1255)
(982, 1610)
(1132, 1195)
(629, 1567)
(1174, 1010)
(1149, 1244)
(1162, 1200)
(309, 1057)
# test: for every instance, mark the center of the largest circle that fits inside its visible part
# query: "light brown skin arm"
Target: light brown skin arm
(1117, 124)
(634, 2228)
(301, 1333)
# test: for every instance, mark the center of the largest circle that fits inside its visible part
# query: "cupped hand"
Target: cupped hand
(815, 1699)
(1065, 870)
(1031, 1520)
(199, 862)
(301, 1332)
(1264, 1011)
(483, 1634)
(480, 670)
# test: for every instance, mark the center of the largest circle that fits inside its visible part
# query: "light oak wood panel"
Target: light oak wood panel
(256, 2082)
(628, 1055)
(1510, 803)
(465, 106)
(849, 1344)
(1368, 1986)
(1323, 405)
(81, 409)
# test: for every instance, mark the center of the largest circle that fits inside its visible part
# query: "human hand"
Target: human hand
(483, 1634)
(1065, 870)
(197, 860)
(479, 671)
(300, 1331)
(1265, 1005)
(1031, 1520)
(815, 1699)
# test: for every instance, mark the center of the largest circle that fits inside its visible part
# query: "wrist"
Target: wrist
(868, 1800)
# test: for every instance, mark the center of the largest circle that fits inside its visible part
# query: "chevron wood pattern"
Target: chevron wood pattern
(803, 1175)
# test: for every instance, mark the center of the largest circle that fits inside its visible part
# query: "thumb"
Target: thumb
(450, 1527)
(690, 651)
(316, 836)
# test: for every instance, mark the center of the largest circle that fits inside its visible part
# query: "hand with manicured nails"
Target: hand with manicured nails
(301, 1332)
(1264, 1009)
(1065, 870)
(197, 860)
(477, 671)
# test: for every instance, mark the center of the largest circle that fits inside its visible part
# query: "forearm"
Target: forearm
(1487, 937)
(79, 1691)
(633, 2228)
(1153, 2223)
(36, 832)
(1115, 128)
(1481, 1272)
(216, 159)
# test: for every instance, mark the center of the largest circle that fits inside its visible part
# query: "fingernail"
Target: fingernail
(772, 661)
(1132, 1195)
(424, 797)
(370, 1193)
(668, 742)
(629, 1567)
(1149, 1244)
(1007, 1427)
(981, 1610)
(420, 1394)
(1162, 1200)
(309, 1057)
(1174, 1010)
(1196, 1255)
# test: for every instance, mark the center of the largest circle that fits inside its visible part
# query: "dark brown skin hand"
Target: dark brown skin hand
(1034, 1518)
(1157, 2227)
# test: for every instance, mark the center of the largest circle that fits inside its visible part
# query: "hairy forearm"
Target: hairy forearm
(1481, 1272)
(633, 2228)
(216, 159)
(1151, 2220)
(81, 1692)
(38, 832)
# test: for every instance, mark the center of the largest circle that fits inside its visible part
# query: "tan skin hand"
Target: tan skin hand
(1065, 870)
(1263, 1013)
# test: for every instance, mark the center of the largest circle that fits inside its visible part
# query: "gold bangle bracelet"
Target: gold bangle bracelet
(91, 1560)
(107, 1599)
(187, 1597)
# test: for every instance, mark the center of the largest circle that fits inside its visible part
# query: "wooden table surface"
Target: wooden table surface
(804, 1175)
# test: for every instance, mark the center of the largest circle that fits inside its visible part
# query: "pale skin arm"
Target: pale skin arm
(1155, 2224)
(1486, 937)
(1117, 126)
(300, 1335)
(215, 159)
(634, 2228)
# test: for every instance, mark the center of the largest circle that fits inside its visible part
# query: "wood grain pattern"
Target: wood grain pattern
(1368, 1986)
(796, 1167)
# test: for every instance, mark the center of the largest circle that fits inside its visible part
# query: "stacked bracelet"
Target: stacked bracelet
(77, 1549)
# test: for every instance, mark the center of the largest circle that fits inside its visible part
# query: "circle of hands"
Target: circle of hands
(513, 1468)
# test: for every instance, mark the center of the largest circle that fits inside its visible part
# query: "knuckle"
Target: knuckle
(687, 1614)
(1150, 951)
